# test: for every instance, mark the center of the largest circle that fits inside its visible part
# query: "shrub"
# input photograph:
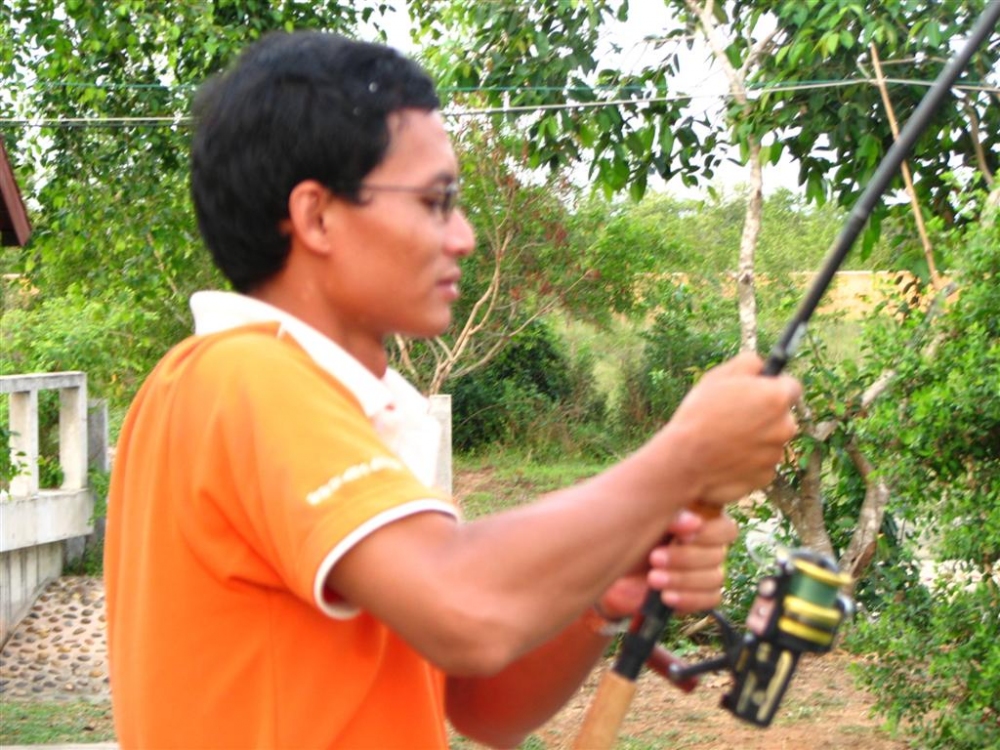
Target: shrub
(691, 333)
(114, 340)
(938, 664)
(531, 396)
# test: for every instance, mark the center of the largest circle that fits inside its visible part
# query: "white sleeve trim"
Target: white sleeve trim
(346, 611)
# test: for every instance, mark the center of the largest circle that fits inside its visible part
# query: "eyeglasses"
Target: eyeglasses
(441, 198)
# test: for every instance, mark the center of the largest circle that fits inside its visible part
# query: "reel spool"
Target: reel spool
(798, 609)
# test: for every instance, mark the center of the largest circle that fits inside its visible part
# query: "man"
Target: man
(280, 570)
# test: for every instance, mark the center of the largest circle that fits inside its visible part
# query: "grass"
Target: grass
(55, 722)
(457, 742)
(518, 479)
(621, 343)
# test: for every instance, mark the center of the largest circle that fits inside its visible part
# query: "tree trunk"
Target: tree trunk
(745, 283)
(992, 206)
(804, 508)
(862, 547)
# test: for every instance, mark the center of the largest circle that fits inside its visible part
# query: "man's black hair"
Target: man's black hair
(299, 106)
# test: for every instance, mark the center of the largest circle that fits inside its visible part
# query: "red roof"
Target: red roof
(15, 229)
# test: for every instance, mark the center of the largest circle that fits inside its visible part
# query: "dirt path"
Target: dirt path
(821, 711)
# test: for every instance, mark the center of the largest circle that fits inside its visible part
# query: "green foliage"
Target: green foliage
(134, 59)
(113, 340)
(943, 429)
(115, 253)
(531, 396)
(502, 399)
(531, 248)
(91, 562)
(692, 332)
(938, 664)
(940, 440)
(829, 46)
(99, 482)
(699, 238)
(530, 60)
(12, 463)
(530, 56)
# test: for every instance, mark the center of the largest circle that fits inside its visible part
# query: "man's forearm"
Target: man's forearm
(502, 709)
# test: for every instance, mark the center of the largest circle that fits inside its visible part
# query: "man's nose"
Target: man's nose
(461, 238)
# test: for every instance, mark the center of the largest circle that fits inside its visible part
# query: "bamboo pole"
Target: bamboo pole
(907, 178)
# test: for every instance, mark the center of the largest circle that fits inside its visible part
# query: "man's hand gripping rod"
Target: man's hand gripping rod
(606, 713)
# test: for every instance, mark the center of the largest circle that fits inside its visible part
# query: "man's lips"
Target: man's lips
(450, 284)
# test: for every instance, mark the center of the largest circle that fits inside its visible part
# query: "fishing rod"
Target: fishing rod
(614, 695)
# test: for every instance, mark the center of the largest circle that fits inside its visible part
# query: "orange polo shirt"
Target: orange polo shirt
(243, 471)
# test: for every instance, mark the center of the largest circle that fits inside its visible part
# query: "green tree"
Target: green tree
(536, 65)
(94, 112)
(125, 69)
(114, 227)
(768, 45)
(530, 59)
(940, 451)
(832, 43)
(534, 256)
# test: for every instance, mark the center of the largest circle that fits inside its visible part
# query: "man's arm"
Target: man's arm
(501, 710)
(473, 598)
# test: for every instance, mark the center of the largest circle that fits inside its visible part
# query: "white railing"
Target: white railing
(36, 521)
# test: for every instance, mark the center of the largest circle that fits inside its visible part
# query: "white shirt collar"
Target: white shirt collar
(400, 413)
(219, 311)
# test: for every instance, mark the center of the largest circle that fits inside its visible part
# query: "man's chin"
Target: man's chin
(431, 330)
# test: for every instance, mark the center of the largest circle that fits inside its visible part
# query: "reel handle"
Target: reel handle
(617, 687)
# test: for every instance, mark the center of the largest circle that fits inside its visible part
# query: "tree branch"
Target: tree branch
(977, 142)
(862, 547)
(905, 169)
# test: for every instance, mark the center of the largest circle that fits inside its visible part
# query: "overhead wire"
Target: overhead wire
(180, 120)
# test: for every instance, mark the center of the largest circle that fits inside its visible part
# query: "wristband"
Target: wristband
(600, 624)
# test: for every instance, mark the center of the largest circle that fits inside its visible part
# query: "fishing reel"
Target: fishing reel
(798, 609)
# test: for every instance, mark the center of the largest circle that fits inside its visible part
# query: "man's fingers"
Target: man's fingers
(707, 532)
(686, 525)
(792, 387)
(682, 557)
(745, 363)
(749, 363)
(708, 579)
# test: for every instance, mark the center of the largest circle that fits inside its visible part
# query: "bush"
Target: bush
(114, 340)
(693, 332)
(938, 664)
(531, 396)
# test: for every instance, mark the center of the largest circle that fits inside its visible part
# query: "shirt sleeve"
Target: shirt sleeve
(302, 474)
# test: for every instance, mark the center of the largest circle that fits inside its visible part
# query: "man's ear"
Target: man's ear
(307, 215)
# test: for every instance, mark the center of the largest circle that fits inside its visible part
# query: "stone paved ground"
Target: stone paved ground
(59, 651)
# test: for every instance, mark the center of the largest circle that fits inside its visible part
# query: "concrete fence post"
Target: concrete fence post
(441, 410)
